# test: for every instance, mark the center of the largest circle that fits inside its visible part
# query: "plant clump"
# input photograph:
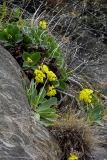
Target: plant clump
(73, 135)
(38, 53)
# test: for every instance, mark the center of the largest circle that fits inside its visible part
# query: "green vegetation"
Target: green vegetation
(40, 56)
(42, 59)
(91, 107)
(47, 66)
(40, 105)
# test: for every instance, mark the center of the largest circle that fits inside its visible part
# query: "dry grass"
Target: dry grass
(74, 135)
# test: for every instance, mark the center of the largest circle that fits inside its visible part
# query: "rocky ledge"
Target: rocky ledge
(21, 137)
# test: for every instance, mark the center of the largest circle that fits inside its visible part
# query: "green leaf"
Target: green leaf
(14, 30)
(25, 56)
(97, 109)
(95, 115)
(51, 117)
(41, 95)
(47, 104)
(23, 84)
(18, 38)
(32, 85)
(35, 57)
(100, 122)
(9, 28)
(45, 122)
(28, 96)
(64, 75)
(62, 85)
(4, 5)
(37, 116)
(32, 100)
(43, 100)
(53, 45)
(27, 40)
(99, 116)
(36, 102)
(47, 111)
(55, 83)
(56, 54)
(33, 67)
(38, 32)
(16, 12)
(7, 45)
(26, 65)
(60, 63)
(3, 37)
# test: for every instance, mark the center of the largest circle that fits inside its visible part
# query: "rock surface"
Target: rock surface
(83, 47)
(21, 137)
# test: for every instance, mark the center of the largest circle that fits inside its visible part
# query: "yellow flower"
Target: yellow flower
(51, 87)
(85, 95)
(42, 24)
(44, 68)
(48, 43)
(29, 60)
(51, 76)
(9, 36)
(73, 157)
(51, 91)
(5, 30)
(39, 76)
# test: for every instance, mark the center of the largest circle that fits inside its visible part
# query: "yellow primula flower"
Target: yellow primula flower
(51, 87)
(5, 30)
(51, 91)
(39, 76)
(85, 95)
(39, 79)
(42, 24)
(9, 36)
(44, 68)
(51, 76)
(73, 157)
(29, 60)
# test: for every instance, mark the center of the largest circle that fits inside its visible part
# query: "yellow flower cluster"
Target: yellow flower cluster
(51, 91)
(73, 157)
(43, 68)
(85, 95)
(42, 24)
(29, 60)
(43, 72)
(39, 76)
(51, 76)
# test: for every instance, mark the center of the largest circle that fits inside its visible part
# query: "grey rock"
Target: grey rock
(21, 136)
(100, 152)
(94, 53)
